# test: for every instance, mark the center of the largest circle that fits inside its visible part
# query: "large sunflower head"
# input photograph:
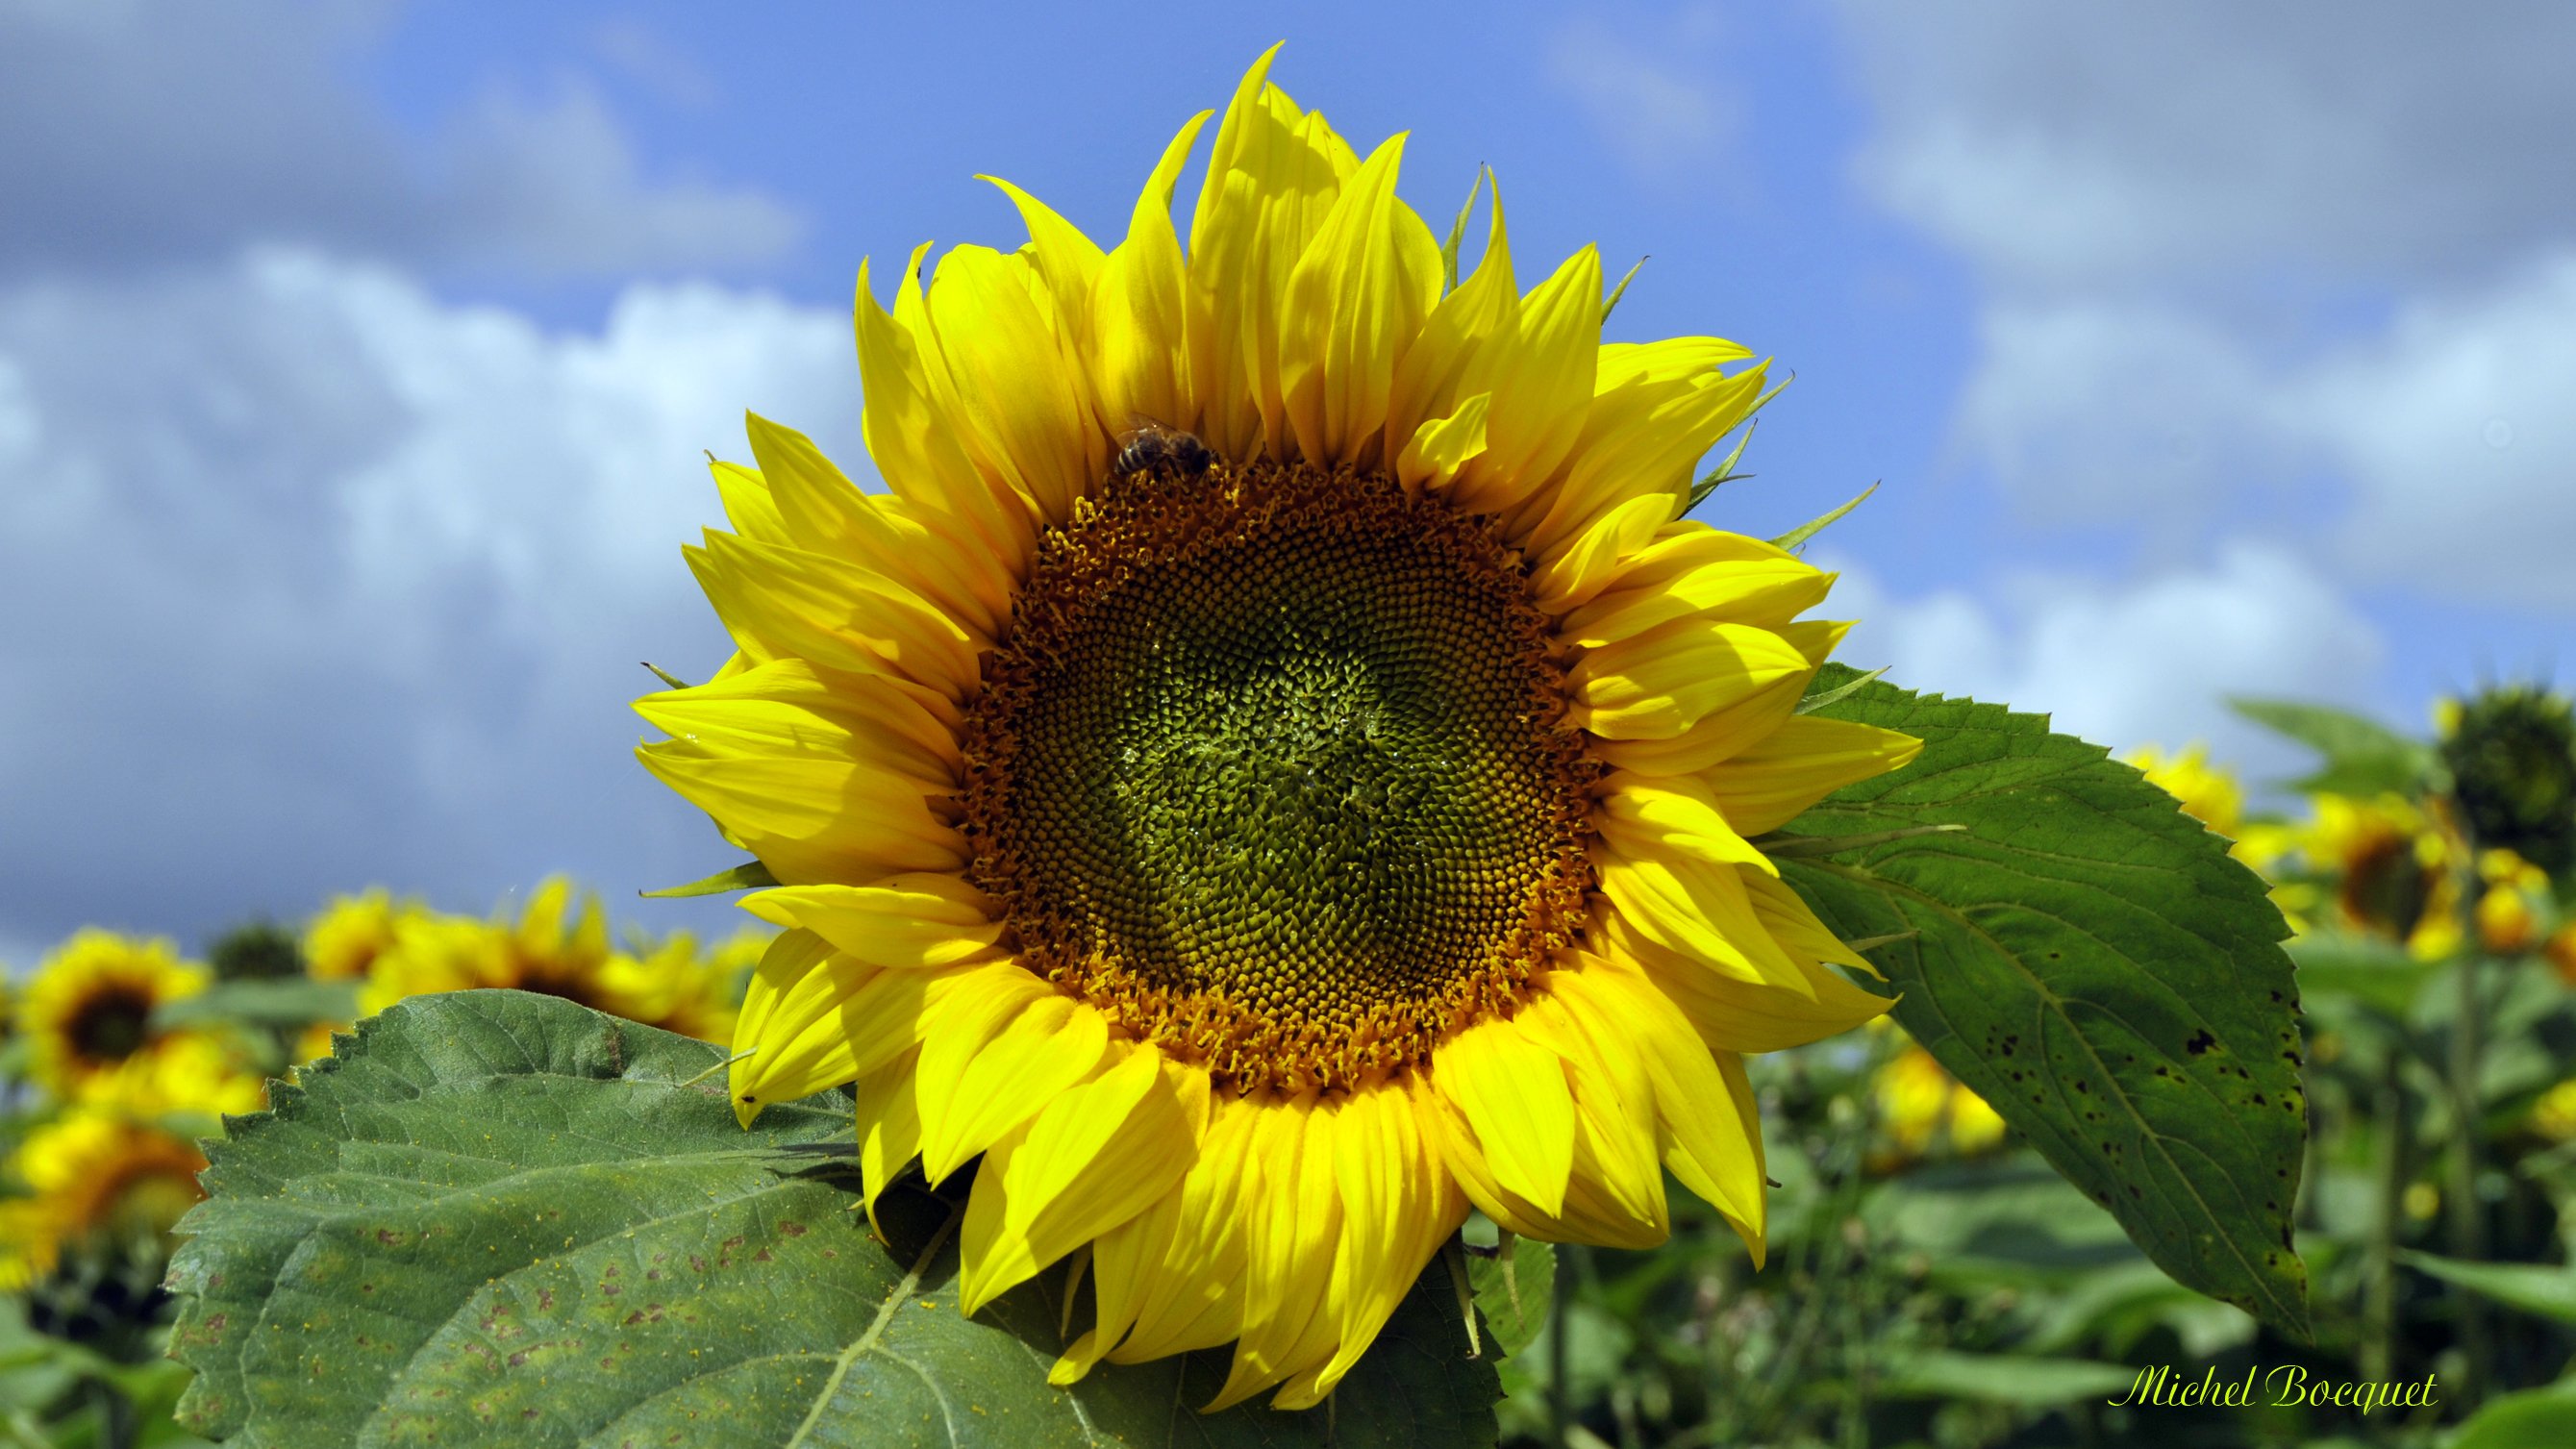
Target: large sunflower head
(1275, 769)
(88, 1009)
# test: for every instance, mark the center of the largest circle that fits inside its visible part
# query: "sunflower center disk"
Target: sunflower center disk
(1271, 770)
(112, 1025)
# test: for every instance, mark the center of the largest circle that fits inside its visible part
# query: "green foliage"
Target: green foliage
(2543, 1418)
(261, 1003)
(502, 1219)
(2091, 962)
(2549, 1292)
(259, 951)
(1513, 1291)
(2362, 756)
(1797, 537)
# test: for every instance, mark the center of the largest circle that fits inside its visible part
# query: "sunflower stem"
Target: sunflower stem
(1780, 847)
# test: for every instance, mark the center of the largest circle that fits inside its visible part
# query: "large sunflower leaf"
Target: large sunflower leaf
(503, 1219)
(2092, 962)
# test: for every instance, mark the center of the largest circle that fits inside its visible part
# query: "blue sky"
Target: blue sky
(356, 360)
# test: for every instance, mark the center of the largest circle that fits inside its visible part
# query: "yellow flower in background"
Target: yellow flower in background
(2209, 793)
(1276, 769)
(2513, 895)
(558, 946)
(2560, 951)
(88, 1008)
(2392, 862)
(1922, 1107)
(2554, 1115)
(676, 987)
(193, 1072)
(93, 1175)
(344, 941)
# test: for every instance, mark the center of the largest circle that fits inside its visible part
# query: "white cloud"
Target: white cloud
(158, 130)
(2147, 662)
(1650, 95)
(2222, 141)
(312, 580)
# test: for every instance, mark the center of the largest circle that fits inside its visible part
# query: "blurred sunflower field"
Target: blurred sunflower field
(122, 1057)
(1931, 1280)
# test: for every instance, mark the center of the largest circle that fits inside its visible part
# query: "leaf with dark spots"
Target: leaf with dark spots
(2083, 927)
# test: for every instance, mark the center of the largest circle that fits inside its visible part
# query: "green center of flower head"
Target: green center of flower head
(1271, 768)
(112, 1024)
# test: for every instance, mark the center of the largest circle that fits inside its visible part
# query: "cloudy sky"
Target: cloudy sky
(357, 362)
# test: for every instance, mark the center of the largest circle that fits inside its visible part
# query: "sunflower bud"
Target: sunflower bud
(2512, 756)
(258, 951)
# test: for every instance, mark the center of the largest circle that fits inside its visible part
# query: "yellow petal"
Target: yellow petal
(1796, 928)
(1273, 175)
(990, 1062)
(1174, 1274)
(1590, 562)
(1140, 310)
(1735, 1015)
(1660, 683)
(1093, 1157)
(1694, 569)
(925, 920)
(1615, 1162)
(1513, 1092)
(1542, 385)
(1068, 260)
(1696, 909)
(747, 504)
(915, 439)
(836, 614)
(785, 707)
(812, 1019)
(889, 1129)
(1719, 735)
(812, 819)
(1398, 1205)
(1027, 417)
(1444, 445)
(1641, 815)
(1292, 1229)
(1666, 359)
(1430, 383)
(1702, 1132)
(1642, 441)
(1769, 783)
(1355, 301)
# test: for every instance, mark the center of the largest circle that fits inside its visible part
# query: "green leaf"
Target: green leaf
(499, 1219)
(751, 875)
(1621, 290)
(2093, 963)
(1513, 1292)
(2019, 1380)
(2544, 1291)
(2542, 1418)
(262, 1003)
(1797, 537)
(2362, 756)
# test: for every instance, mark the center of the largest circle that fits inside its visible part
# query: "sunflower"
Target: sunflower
(2392, 862)
(1276, 770)
(1922, 1106)
(345, 940)
(557, 946)
(96, 1176)
(2208, 793)
(88, 1009)
(677, 987)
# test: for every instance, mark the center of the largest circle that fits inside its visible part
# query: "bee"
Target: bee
(1153, 447)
